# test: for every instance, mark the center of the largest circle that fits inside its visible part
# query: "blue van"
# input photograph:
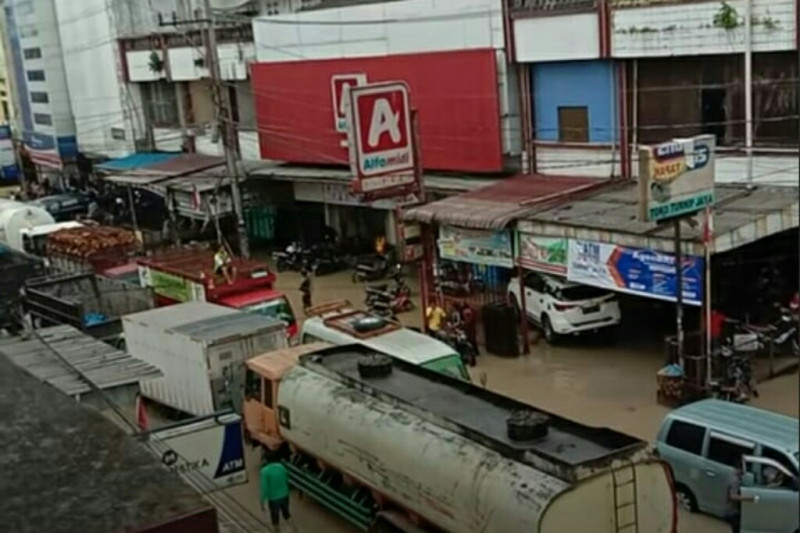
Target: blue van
(704, 441)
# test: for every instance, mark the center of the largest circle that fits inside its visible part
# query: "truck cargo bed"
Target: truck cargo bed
(569, 451)
(15, 269)
(90, 303)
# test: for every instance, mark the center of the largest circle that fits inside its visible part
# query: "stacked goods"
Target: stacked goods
(90, 241)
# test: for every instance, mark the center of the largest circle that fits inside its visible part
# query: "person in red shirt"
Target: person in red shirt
(717, 327)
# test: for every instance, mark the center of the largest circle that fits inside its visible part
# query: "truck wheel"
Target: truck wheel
(375, 366)
(527, 425)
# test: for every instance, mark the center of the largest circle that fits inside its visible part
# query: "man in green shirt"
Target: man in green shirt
(275, 490)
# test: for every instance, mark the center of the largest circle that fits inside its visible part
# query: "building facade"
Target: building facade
(610, 74)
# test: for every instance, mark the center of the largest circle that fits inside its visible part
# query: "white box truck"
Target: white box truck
(201, 349)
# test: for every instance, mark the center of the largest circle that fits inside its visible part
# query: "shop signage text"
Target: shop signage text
(634, 271)
(476, 246)
(380, 136)
(676, 178)
(544, 254)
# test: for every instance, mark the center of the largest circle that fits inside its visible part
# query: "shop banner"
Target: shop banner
(544, 254)
(172, 287)
(476, 246)
(635, 271)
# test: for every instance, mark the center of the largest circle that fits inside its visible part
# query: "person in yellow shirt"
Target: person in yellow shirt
(435, 316)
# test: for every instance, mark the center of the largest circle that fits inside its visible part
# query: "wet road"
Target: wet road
(586, 380)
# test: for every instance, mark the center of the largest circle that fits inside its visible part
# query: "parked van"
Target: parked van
(338, 324)
(705, 441)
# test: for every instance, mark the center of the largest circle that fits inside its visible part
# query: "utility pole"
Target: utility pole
(226, 127)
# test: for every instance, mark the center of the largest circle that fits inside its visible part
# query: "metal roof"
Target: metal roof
(496, 206)
(436, 182)
(186, 164)
(135, 161)
(741, 216)
(90, 474)
(104, 365)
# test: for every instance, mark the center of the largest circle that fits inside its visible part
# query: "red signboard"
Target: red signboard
(338, 84)
(380, 136)
(455, 94)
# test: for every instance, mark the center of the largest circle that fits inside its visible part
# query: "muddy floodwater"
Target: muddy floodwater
(587, 380)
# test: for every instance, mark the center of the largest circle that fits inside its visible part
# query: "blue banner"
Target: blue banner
(634, 271)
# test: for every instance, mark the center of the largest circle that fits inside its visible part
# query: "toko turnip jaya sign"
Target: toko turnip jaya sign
(380, 136)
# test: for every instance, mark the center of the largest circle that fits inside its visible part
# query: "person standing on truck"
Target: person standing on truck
(275, 490)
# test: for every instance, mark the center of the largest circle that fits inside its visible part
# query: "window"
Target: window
(252, 386)
(727, 452)
(685, 436)
(779, 457)
(32, 53)
(573, 124)
(35, 75)
(42, 119)
(267, 393)
(39, 98)
(162, 103)
(535, 282)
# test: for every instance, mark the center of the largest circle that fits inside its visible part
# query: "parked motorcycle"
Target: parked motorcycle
(372, 270)
(458, 339)
(325, 258)
(291, 258)
(737, 383)
(784, 333)
(458, 280)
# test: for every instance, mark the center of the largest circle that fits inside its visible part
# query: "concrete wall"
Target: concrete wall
(107, 122)
(557, 38)
(575, 83)
(688, 28)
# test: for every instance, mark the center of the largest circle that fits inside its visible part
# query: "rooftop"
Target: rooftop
(67, 469)
(198, 261)
(104, 365)
(480, 414)
(611, 214)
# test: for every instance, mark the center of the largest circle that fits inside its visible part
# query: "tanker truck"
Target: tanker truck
(392, 446)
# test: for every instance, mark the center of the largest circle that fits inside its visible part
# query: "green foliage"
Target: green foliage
(727, 17)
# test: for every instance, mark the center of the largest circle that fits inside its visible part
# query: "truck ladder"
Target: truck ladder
(626, 510)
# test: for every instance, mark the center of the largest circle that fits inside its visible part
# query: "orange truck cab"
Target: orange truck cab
(188, 275)
(262, 378)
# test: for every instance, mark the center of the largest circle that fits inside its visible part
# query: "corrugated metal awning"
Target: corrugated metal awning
(496, 206)
(104, 365)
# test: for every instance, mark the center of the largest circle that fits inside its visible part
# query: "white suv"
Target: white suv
(560, 307)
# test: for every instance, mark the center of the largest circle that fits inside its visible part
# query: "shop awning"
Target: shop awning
(495, 206)
(433, 182)
(741, 216)
(135, 162)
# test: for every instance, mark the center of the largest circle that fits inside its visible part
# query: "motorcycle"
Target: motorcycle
(325, 258)
(458, 281)
(291, 258)
(738, 384)
(397, 297)
(373, 270)
(784, 333)
(460, 342)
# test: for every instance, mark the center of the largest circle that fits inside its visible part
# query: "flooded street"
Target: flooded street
(585, 379)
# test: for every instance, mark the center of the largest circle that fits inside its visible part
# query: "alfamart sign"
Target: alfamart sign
(676, 178)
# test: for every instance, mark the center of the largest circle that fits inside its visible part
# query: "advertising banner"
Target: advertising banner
(170, 286)
(634, 271)
(676, 178)
(476, 246)
(544, 254)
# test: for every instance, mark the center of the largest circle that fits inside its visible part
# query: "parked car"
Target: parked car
(561, 307)
(66, 206)
(705, 441)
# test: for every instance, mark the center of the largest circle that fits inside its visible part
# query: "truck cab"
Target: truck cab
(262, 379)
(188, 275)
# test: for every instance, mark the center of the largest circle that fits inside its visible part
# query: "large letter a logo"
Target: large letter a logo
(384, 120)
